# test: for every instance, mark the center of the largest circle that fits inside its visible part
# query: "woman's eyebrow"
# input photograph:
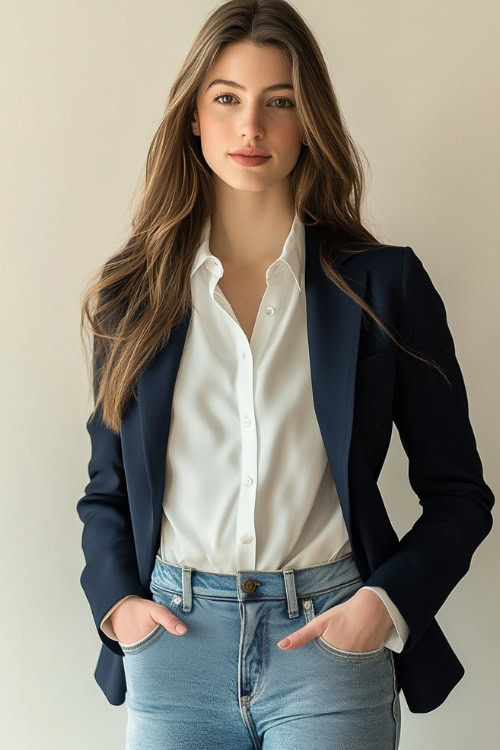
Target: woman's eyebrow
(274, 87)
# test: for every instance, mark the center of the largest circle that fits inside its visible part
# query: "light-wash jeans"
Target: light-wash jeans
(226, 684)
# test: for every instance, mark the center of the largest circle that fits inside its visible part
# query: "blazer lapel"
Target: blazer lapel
(333, 329)
(155, 388)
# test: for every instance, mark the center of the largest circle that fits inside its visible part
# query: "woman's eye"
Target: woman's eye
(222, 96)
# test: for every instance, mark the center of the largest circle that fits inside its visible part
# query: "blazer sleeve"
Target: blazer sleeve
(110, 571)
(444, 467)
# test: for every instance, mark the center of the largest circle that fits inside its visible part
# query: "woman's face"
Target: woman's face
(230, 117)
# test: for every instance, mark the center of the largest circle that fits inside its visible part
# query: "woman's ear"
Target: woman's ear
(195, 123)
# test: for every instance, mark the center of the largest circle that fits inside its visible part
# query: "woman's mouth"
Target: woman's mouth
(249, 161)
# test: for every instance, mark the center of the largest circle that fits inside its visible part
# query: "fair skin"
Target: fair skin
(253, 216)
(254, 206)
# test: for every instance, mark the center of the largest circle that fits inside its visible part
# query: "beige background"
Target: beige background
(83, 89)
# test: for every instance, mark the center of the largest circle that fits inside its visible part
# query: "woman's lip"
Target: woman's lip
(249, 161)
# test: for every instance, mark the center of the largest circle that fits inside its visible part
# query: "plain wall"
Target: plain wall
(83, 90)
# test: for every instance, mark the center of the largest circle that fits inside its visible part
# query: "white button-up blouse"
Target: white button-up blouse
(248, 484)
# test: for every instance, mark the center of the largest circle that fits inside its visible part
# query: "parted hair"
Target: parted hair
(143, 290)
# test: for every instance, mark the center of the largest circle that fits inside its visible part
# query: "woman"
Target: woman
(243, 410)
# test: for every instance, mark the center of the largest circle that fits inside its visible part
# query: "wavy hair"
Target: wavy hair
(143, 290)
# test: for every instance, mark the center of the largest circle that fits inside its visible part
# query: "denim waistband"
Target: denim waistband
(288, 583)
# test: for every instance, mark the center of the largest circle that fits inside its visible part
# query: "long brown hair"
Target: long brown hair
(143, 290)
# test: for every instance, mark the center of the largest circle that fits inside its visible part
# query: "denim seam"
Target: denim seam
(395, 698)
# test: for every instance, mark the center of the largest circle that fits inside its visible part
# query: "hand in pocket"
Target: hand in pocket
(136, 617)
(359, 624)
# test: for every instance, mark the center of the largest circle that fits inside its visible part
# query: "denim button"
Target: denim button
(249, 586)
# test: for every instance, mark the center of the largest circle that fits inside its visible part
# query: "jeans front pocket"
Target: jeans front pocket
(144, 642)
(319, 603)
(148, 639)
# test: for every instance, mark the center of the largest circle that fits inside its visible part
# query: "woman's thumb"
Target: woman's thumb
(169, 621)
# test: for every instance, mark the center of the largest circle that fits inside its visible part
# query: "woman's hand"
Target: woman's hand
(359, 624)
(135, 617)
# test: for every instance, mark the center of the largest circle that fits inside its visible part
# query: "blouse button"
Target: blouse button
(269, 310)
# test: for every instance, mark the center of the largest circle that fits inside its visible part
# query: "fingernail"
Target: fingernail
(180, 628)
(285, 642)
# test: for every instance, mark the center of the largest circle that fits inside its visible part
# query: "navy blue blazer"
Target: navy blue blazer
(361, 384)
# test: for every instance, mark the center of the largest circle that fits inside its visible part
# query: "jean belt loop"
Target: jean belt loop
(291, 592)
(187, 591)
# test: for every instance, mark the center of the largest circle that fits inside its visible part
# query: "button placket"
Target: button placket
(246, 550)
